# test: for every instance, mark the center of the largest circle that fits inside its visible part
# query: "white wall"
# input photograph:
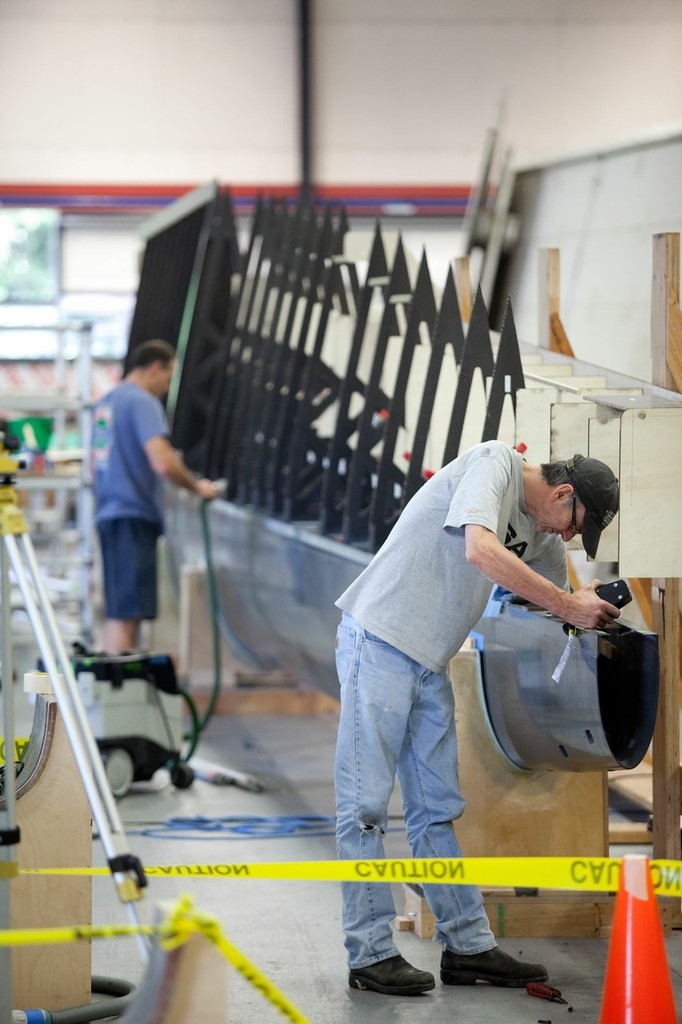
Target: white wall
(146, 90)
(188, 90)
(407, 88)
(117, 267)
(183, 91)
(601, 211)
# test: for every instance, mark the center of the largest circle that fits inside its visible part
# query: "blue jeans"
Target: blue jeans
(397, 717)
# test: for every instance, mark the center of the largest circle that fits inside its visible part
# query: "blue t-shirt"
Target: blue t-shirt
(125, 484)
(419, 592)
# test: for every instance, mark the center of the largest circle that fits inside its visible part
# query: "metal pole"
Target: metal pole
(16, 547)
(126, 869)
(304, 31)
(8, 832)
(85, 503)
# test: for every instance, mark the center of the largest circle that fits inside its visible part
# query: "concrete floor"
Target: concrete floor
(291, 930)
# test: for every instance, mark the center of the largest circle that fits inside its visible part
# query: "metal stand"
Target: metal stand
(58, 402)
(16, 552)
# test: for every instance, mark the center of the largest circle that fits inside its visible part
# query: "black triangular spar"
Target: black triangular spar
(386, 504)
(507, 376)
(320, 388)
(363, 465)
(227, 378)
(205, 360)
(334, 485)
(198, 346)
(448, 331)
(283, 249)
(244, 363)
(294, 365)
(477, 355)
(277, 351)
(274, 352)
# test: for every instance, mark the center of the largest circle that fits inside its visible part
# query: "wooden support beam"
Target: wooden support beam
(516, 914)
(666, 316)
(635, 834)
(559, 338)
(548, 294)
(666, 321)
(269, 701)
(463, 286)
(641, 591)
(573, 576)
(666, 744)
(551, 333)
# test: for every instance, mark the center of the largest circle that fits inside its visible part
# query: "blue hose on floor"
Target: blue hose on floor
(120, 993)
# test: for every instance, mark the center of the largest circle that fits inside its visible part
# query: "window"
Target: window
(29, 256)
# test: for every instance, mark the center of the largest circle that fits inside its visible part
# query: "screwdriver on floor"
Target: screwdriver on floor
(534, 988)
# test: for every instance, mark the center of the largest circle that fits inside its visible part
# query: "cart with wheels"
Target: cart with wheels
(134, 707)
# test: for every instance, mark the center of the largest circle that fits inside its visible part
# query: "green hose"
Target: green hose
(213, 604)
(198, 724)
(195, 725)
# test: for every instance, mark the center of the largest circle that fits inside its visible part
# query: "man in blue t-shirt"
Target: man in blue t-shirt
(132, 457)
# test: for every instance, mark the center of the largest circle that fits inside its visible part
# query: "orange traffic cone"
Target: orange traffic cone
(637, 987)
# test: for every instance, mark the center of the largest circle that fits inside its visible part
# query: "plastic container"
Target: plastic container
(34, 432)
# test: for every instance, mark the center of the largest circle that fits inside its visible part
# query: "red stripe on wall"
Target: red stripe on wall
(368, 200)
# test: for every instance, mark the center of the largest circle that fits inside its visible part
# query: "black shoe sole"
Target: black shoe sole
(389, 990)
(461, 978)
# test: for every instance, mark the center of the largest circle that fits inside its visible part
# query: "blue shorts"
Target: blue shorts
(129, 567)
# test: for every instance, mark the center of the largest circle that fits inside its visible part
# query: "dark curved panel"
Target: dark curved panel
(578, 703)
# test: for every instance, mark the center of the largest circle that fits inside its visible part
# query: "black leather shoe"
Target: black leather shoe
(393, 976)
(493, 966)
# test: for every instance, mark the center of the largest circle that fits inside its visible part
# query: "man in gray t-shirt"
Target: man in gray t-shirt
(486, 518)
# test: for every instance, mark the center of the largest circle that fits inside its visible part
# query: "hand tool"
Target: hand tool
(616, 593)
(553, 995)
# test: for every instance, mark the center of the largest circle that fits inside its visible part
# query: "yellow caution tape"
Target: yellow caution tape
(582, 873)
(183, 922)
(72, 933)
(186, 921)
(20, 744)
(570, 873)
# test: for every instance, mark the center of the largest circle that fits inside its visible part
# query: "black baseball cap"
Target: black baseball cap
(597, 488)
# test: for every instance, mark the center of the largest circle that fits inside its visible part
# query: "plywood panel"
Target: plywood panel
(516, 813)
(651, 493)
(604, 444)
(54, 818)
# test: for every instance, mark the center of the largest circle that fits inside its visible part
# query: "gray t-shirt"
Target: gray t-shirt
(419, 593)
